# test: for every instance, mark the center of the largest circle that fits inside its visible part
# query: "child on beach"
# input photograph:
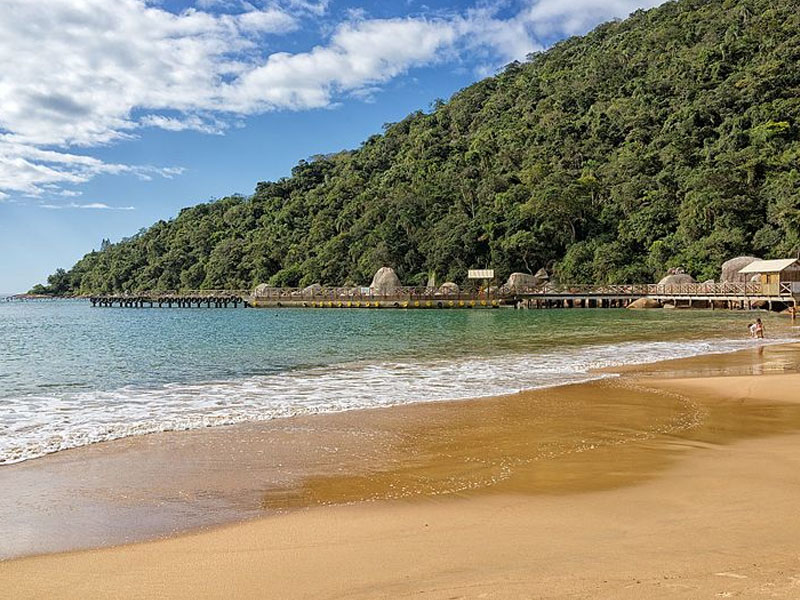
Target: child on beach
(751, 328)
(759, 329)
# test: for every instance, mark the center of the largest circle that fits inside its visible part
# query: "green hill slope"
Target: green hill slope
(671, 138)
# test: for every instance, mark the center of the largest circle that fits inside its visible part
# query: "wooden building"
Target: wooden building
(777, 277)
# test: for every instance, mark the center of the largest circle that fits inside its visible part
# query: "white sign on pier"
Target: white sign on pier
(481, 274)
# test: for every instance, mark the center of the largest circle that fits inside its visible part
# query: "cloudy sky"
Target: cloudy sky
(116, 114)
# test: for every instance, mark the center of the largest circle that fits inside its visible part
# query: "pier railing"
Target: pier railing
(751, 288)
(549, 289)
(182, 299)
(194, 294)
(610, 294)
(427, 293)
(654, 289)
(351, 293)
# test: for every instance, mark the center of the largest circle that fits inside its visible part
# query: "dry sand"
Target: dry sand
(643, 487)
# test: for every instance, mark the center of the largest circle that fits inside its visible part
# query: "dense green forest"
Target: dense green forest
(669, 139)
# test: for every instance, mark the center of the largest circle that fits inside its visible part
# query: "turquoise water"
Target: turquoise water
(71, 375)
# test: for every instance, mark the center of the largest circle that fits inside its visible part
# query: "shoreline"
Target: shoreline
(319, 487)
(133, 451)
(736, 483)
(432, 371)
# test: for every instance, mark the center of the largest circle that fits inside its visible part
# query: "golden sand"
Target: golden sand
(645, 486)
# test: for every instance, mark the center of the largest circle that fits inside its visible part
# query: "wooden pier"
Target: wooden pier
(347, 297)
(731, 295)
(695, 295)
(690, 295)
(189, 299)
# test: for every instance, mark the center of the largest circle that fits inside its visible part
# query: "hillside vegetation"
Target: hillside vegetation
(669, 139)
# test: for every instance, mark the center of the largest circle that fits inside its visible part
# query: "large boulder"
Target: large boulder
(448, 289)
(520, 281)
(312, 290)
(642, 303)
(385, 282)
(263, 290)
(677, 279)
(731, 268)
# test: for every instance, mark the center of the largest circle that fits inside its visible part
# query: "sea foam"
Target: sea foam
(34, 425)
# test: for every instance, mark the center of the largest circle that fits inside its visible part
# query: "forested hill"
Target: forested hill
(671, 138)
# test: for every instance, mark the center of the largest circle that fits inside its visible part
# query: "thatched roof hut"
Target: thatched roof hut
(542, 275)
(385, 282)
(778, 276)
(731, 268)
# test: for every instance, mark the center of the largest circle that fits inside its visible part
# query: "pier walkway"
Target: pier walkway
(712, 295)
(708, 295)
(187, 299)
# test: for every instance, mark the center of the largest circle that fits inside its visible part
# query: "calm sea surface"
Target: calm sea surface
(71, 375)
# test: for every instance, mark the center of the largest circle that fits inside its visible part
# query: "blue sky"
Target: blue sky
(114, 115)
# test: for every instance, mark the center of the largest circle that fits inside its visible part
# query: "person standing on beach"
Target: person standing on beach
(759, 330)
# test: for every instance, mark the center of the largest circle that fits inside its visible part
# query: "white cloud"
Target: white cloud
(265, 21)
(73, 75)
(549, 17)
(497, 40)
(84, 73)
(190, 122)
(359, 55)
(31, 171)
(87, 206)
(318, 7)
(539, 23)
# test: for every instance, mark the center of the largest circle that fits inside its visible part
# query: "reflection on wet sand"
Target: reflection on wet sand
(577, 438)
(593, 436)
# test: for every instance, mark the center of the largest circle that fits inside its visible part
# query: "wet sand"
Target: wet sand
(646, 485)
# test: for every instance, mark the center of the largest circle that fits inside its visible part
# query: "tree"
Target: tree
(669, 139)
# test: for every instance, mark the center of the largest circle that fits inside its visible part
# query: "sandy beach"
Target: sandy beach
(677, 480)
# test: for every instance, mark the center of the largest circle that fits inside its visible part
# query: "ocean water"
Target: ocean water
(72, 375)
